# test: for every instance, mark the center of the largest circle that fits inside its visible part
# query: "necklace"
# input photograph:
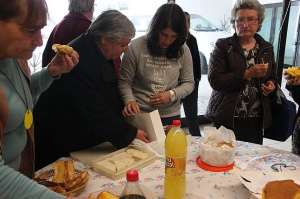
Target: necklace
(28, 118)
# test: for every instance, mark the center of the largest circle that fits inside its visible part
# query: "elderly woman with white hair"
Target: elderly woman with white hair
(83, 109)
(242, 75)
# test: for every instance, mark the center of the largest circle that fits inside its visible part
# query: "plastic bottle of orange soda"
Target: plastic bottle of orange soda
(176, 150)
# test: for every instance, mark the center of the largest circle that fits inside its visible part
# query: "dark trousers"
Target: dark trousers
(190, 105)
(169, 120)
(247, 129)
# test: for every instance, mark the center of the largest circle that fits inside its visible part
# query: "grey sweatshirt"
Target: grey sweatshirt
(142, 76)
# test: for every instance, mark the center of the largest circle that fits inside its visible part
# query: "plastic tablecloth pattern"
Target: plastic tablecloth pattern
(210, 185)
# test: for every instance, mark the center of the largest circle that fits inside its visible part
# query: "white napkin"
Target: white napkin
(213, 155)
(157, 147)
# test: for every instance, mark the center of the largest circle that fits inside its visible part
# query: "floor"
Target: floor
(287, 145)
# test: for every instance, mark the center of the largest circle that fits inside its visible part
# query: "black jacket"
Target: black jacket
(227, 68)
(193, 46)
(295, 90)
(83, 108)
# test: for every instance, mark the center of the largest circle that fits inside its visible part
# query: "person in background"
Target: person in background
(190, 102)
(73, 24)
(157, 71)
(21, 22)
(293, 85)
(242, 75)
(83, 108)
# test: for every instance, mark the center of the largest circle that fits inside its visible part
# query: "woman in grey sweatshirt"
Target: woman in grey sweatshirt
(157, 71)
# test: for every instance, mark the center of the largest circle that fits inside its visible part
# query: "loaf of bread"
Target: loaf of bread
(285, 189)
(63, 171)
(77, 182)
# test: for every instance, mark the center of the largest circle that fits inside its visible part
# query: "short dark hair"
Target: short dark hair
(36, 10)
(171, 16)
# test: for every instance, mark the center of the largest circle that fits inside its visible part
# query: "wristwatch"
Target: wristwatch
(172, 95)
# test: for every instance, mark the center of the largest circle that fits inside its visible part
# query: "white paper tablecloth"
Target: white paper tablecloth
(210, 185)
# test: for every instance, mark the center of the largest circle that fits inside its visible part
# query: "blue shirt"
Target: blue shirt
(19, 98)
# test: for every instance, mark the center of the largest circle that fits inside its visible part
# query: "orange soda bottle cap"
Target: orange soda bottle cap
(176, 122)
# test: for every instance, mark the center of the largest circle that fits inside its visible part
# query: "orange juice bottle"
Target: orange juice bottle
(175, 163)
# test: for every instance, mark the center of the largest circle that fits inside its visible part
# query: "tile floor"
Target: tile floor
(287, 145)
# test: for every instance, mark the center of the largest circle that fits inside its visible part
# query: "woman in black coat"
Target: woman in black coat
(83, 109)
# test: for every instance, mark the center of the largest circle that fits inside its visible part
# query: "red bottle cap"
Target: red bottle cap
(176, 122)
(132, 175)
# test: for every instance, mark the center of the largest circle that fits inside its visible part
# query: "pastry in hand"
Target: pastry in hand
(293, 71)
(63, 49)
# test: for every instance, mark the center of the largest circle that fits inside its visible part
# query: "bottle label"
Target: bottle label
(175, 167)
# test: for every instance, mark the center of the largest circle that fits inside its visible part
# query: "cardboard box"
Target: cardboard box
(150, 123)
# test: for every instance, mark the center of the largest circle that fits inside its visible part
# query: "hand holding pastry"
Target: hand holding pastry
(292, 75)
(258, 70)
(63, 49)
(64, 61)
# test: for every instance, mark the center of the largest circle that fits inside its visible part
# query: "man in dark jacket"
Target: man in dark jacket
(83, 109)
(190, 102)
(74, 24)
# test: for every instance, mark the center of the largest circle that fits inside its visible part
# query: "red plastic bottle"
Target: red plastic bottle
(132, 189)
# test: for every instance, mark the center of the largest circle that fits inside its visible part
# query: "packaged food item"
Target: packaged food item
(132, 189)
(218, 147)
(175, 165)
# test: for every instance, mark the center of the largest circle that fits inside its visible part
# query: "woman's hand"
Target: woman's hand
(142, 135)
(63, 63)
(132, 108)
(160, 99)
(291, 80)
(267, 88)
(258, 70)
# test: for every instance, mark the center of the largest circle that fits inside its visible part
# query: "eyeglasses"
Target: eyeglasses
(124, 47)
(249, 20)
